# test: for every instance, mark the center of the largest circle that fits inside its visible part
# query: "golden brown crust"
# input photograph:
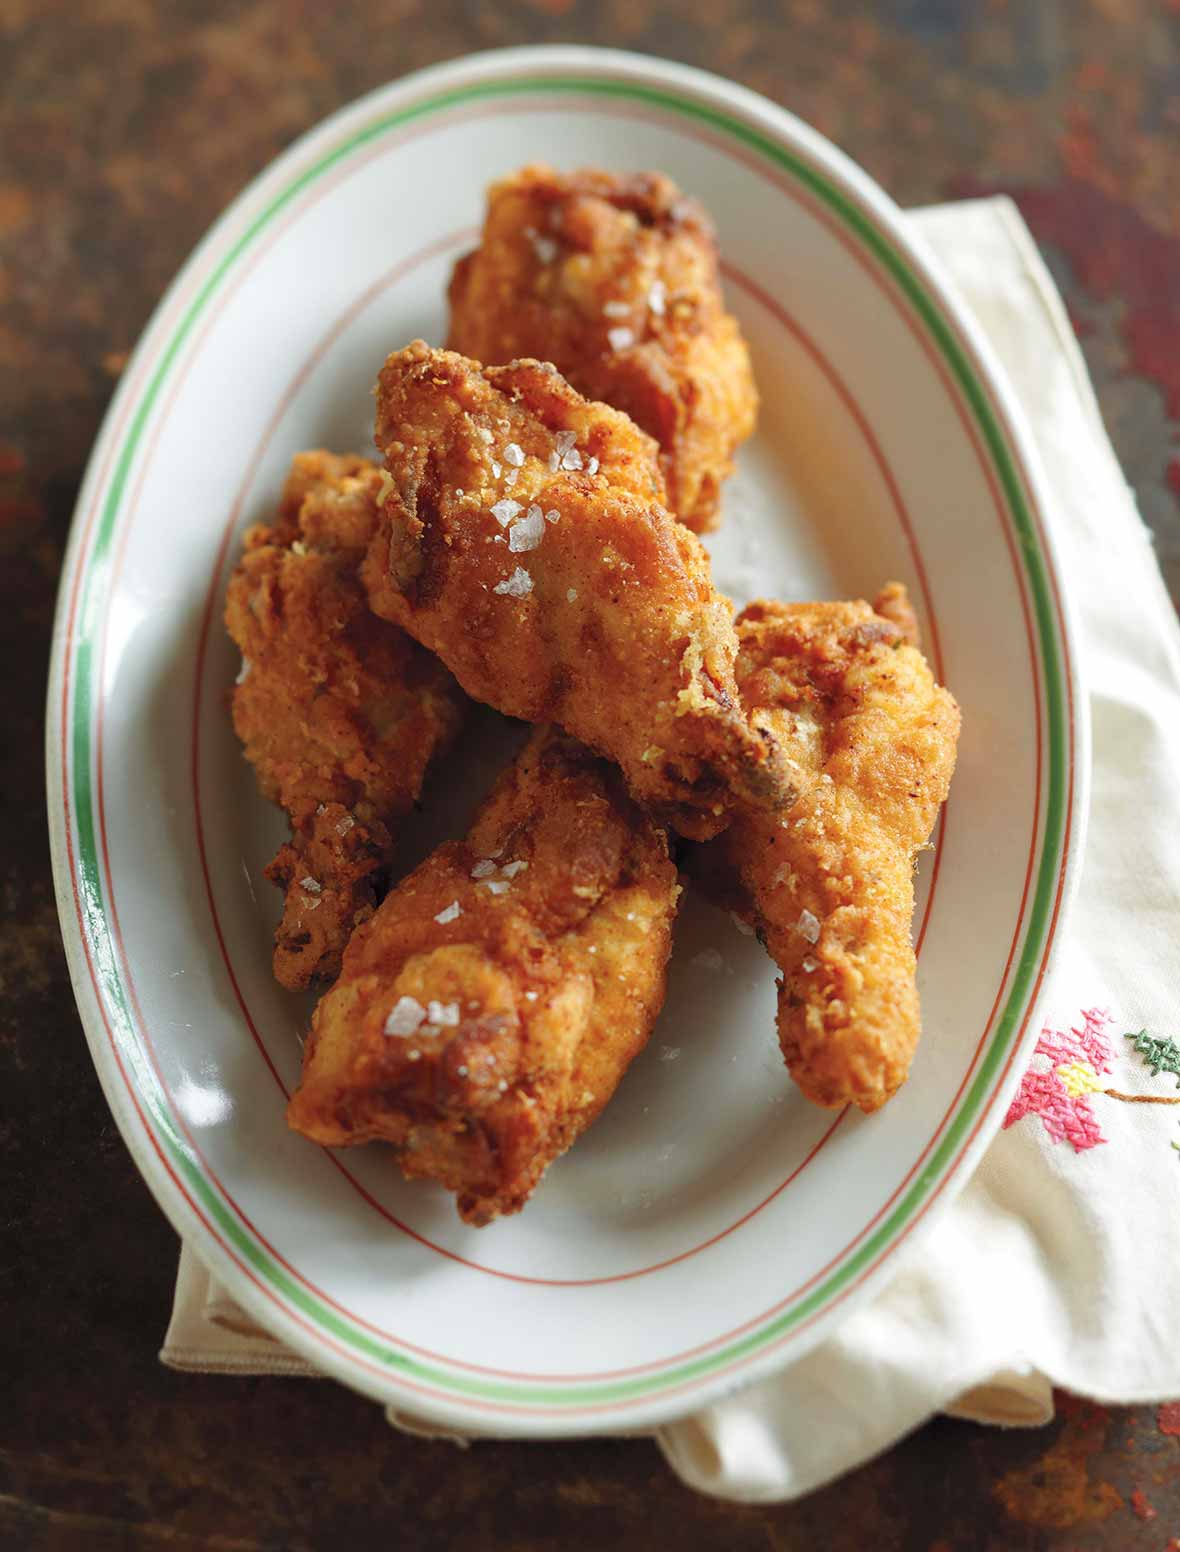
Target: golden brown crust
(340, 713)
(614, 279)
(608, 623)
(829, 885)
(522, 1008)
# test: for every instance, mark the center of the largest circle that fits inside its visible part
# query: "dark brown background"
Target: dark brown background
(124, 128)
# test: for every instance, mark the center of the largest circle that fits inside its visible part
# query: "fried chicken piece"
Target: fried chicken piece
(521, 542)
(615, 280)
(829, 886)
(340, 713)
(487, 1012)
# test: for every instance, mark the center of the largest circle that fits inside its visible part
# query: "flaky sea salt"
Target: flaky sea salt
(486, 436)
(571, 595)
(617, 309)
(518, 585)
(504, 511)
(809, 963)
(511, 477)
(808, 926)
(514, 455)
(244, 671)
(444, 1014)
(343, 826)
(592, 466)
(572, 459)
(528, 533)
(496, 470)
(621, 338)
(563, 441)
(484, 868)
(657, 298)
(511, 869)
(312, 885)
(495, 886)
(553, 515)
(407, 1014)
(450, 914)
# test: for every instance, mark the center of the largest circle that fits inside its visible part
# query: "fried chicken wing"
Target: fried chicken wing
(340, 713)
(615, 281)
(487, 1012)
(519, 540)
(829, 885)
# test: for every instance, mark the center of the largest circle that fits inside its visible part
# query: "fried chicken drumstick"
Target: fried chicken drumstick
(521, 540)
(615, 280)
(340, 713)
(829, 885)
(486, 1013)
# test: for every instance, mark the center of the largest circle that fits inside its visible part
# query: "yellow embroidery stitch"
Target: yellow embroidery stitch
(1079, 1078)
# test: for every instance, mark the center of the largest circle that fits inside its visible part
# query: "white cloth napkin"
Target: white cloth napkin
(1059, 1264)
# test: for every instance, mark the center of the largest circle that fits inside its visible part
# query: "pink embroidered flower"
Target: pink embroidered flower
(1060, 1095)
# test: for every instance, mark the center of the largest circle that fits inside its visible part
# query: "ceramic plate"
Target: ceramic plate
(713, 1225)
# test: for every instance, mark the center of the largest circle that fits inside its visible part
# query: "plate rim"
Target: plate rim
(1013, 450)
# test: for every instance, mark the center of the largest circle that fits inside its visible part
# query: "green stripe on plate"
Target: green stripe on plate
(236, 1238)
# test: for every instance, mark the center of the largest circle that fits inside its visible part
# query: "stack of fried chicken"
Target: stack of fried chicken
(528, 540)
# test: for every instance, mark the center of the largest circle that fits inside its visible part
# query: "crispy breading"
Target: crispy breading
(829, 886)
(340, 712)
(615, 280)
(487, 1012)
(567, 593)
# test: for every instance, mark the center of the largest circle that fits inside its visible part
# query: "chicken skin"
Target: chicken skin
(340, 713)
(522, 539)
(615, 281)
(829, 885)
(486, 1013)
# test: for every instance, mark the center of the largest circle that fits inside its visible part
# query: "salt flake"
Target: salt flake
(528, 533)
(808, 926)
(405, 1017)
(518, 585)
(450, 914)
(504, 511)
(445, 1014)
(514, 455)
(620, 339)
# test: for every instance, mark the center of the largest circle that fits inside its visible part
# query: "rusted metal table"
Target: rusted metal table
(125, 126)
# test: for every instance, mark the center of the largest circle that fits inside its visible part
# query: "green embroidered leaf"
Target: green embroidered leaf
(1159, 1055)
